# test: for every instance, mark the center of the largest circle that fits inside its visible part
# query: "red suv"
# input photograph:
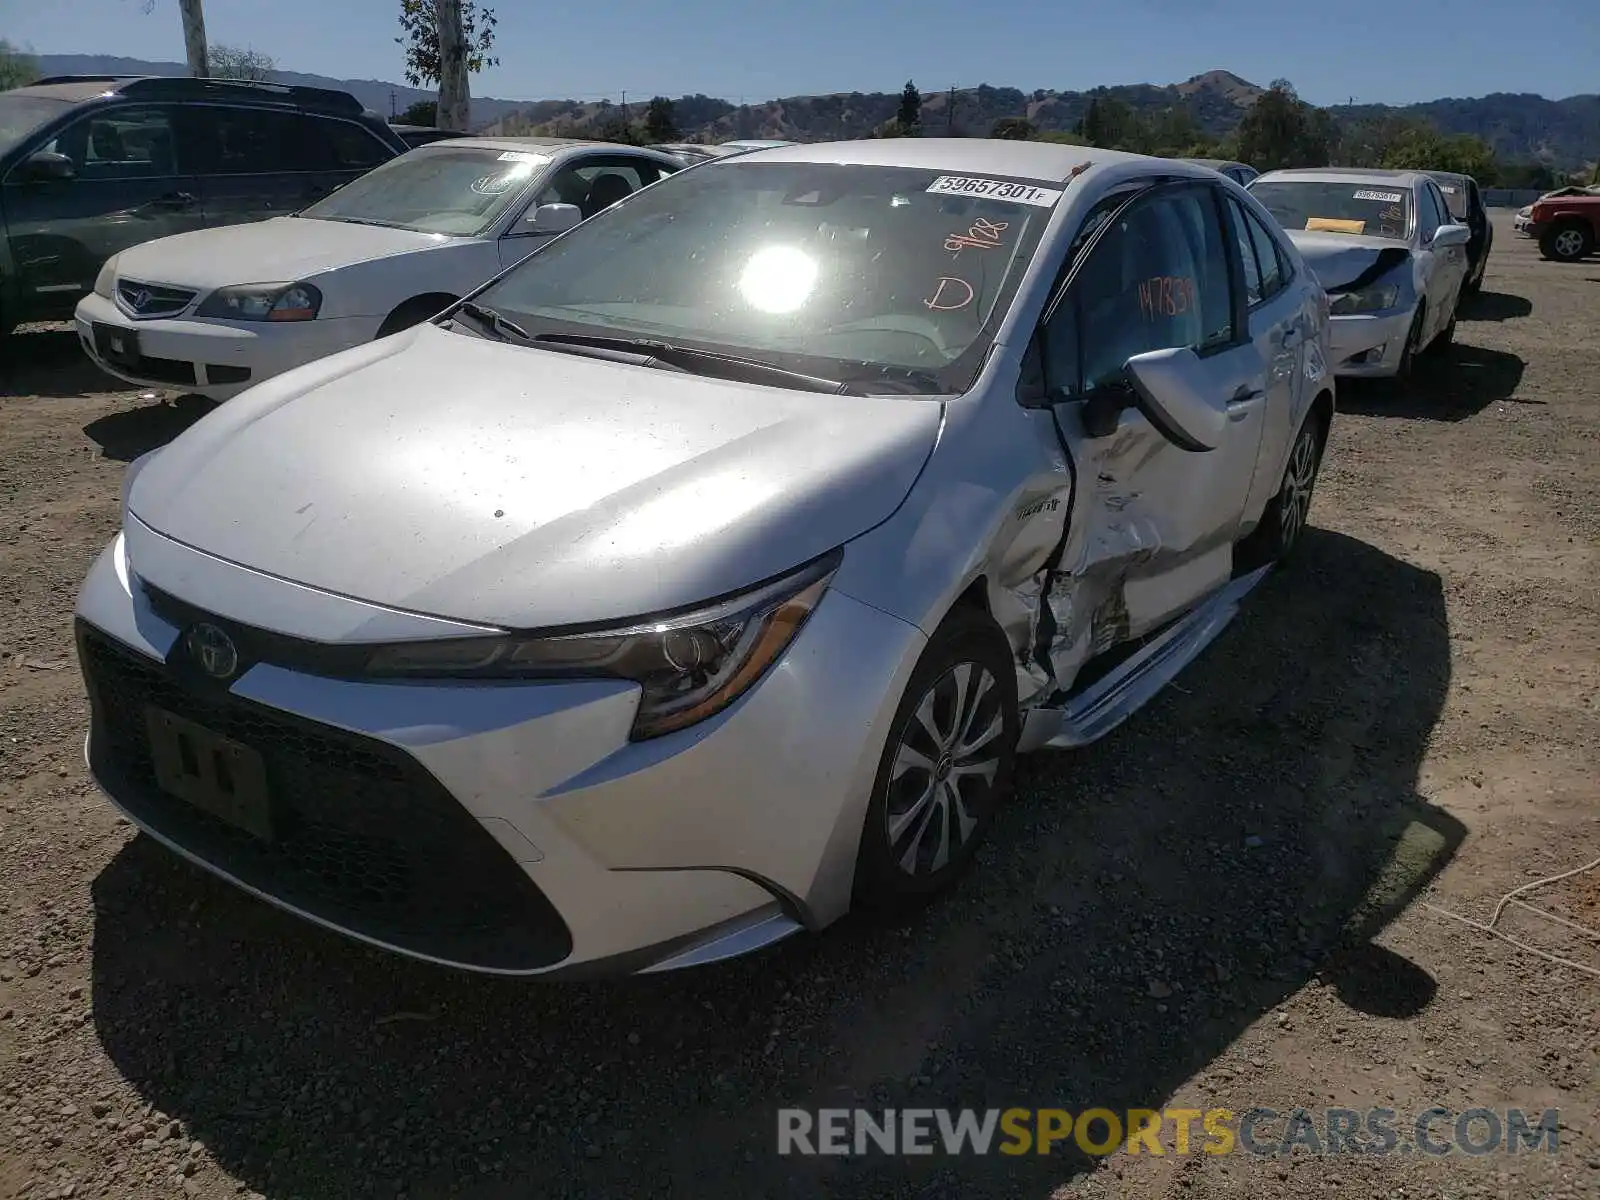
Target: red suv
(1567, 227)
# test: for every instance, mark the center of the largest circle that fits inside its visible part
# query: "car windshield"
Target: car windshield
(21, 115)
(889, 279)
(441, 188)
(1379, 209)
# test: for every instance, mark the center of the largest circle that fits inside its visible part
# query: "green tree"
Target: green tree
(1282, 130)
(1111, 125)
(237, 62)
(660, 121)
(908, 117)
(419, 25)
(615, 129)
(423, 112)
(1014, 129)
(17, 68)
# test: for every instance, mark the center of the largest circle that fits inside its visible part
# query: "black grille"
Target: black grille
(364, 837)
(151, 299)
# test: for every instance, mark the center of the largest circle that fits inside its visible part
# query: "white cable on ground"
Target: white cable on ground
(1511, 898)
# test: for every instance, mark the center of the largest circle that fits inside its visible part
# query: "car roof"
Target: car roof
(994, 156)
(543, 145)
(1216, 163)
(1345, 175)
(74, 93)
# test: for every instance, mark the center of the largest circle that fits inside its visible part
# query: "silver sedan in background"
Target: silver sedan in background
(703, 575)
(1386, 249)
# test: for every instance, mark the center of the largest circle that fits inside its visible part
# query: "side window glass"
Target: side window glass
(592, 186)
(1157, 280)
(349, 147)
(250, 141)
(1428, 213)
(1267, 255)
(120, 143)
(1247, 252)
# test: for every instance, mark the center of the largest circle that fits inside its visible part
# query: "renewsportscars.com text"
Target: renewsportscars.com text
(1436, 1131)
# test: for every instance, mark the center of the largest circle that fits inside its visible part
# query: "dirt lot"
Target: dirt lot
(1227, 903)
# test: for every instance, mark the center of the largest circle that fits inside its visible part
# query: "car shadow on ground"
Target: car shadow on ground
(1139, 905)
(50, 362)
(1495, 306)
(1452, 385)
(127, 434)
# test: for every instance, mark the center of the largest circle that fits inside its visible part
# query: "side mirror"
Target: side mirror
(47, 165)
(1173, 390)
(551, 219)
(1451, 235)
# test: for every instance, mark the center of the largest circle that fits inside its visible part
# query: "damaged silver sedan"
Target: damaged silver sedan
(702, 576)
(1390, 255)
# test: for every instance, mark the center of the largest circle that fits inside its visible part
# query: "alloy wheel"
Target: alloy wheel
(945, 766)
(1294, 504)
(1568, 243)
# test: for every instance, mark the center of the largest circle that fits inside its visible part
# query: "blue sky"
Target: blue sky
(1331, 51)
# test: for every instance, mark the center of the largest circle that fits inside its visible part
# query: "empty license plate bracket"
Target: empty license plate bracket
(215, 774)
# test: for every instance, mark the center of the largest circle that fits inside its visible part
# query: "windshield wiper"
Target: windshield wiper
(712, 363)
(492, 321)
(358, 221)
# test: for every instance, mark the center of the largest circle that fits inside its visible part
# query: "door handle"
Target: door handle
(1246, 394)
(179, 200)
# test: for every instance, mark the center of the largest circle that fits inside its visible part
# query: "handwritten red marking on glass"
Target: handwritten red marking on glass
(1165, 296)
(982, 234)
(1392, 213)
(938, 302)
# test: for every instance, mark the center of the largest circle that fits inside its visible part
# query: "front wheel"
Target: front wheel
(1287, 514)
(1567, 242)
(945, 768)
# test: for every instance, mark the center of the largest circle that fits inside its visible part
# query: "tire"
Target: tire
(1568, 241)
(957, 721)
(1405, 373)
(1442, 340)
(413, 312)
(1283, 523)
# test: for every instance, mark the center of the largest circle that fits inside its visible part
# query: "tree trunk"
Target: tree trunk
(455, 102)
(194, 37)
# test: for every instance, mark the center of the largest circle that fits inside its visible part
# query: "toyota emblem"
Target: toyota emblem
(140, 299)
(214, 650)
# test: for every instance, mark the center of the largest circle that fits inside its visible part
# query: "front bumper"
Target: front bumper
(1369, 345)
(216, 359)
(510, 829)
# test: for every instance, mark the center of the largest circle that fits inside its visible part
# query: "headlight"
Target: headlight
(263, 302)
(1373, 299)
(688, 667)
(107, 279)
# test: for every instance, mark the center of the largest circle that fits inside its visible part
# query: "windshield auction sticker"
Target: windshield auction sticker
(1381, 197)
(995, 189)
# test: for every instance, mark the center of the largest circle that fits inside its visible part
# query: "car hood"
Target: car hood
(443, 474)
(275, 251)
(1338, 259)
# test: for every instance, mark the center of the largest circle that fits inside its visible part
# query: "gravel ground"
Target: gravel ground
(1226, 903)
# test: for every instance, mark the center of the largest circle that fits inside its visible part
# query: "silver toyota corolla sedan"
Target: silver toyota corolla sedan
(701, 576)
(1387, 250)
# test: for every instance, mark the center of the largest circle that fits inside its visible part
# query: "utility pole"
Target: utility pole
(393, 110)
(950, 114)
(624, 108)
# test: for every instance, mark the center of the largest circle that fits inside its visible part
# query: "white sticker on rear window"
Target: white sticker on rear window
(1382, 197)
(1448, 191)
(995, 189)
(523, 156)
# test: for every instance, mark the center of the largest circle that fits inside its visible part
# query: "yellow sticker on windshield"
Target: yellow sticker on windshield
(1333, 225)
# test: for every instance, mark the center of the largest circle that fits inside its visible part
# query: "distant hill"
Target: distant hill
(1521, 127)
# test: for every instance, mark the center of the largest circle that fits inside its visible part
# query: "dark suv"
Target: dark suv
(1465, 202)
(90, 165)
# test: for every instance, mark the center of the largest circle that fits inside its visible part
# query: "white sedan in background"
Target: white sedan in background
(1388, 253)
(218, 310)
